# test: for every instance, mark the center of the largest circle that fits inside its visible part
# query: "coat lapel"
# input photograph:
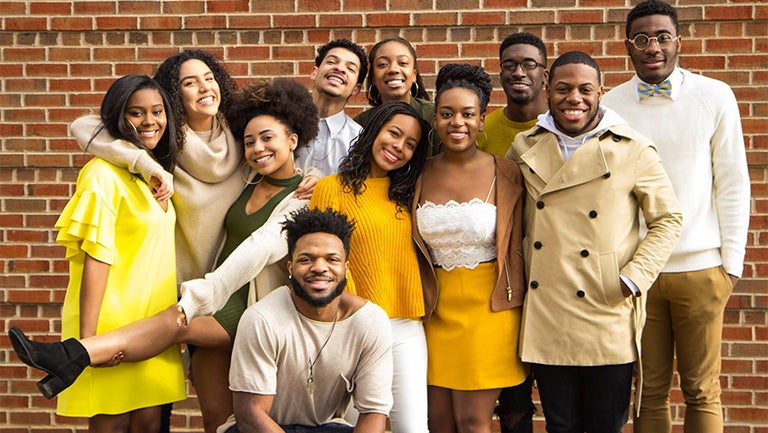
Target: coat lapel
(546, 159)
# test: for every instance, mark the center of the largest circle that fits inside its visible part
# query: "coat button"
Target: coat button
(534, 284)
(616, 138)
(593, 214)
(584, 253)
(607, 175)
(531, 170)
(580, 293)
(537, 245)
(540, 204)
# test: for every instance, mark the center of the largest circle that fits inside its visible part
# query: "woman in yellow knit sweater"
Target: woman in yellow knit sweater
(374, 187)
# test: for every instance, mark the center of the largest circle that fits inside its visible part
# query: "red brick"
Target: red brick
(205, 22)
(481, 18)
(25, 24)
(227, 6)
(294, 21)
(160, 23)
(727, 13)
(117, 23)
(249, 22)
(580, 16)
(436, 19)
(95, 8)
(393, 19)
(337, 21)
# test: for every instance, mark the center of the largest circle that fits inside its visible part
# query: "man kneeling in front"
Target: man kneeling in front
(303, 351)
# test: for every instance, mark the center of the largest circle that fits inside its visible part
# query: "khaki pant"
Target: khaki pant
(685, 316)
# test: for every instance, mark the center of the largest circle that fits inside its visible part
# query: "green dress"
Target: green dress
(239, 225)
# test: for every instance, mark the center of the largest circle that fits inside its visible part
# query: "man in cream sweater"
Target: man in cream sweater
(694, 121)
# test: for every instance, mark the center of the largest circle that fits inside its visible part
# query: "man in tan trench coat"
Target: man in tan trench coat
(588, 176)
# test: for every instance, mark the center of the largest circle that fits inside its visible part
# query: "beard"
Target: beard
(315, 301)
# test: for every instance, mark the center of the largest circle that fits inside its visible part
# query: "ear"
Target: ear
(546, 77)
(294, 139)
(313, 74)
(628, 46)
(482, 122)
(290, 269)
(356, 90)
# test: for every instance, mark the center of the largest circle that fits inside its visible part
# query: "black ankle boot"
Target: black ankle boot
(64, 361)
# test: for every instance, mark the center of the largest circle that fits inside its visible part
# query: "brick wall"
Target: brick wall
(57, 58)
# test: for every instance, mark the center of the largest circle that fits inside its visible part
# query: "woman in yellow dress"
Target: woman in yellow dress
(468, 210)
(119, 244)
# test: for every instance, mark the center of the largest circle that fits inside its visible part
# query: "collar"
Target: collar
(337, 122)
(676, 78)
(609, 118)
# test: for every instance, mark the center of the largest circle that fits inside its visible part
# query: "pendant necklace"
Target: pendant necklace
(311, 378)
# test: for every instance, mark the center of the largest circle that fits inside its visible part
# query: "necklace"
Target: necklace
(311, 378)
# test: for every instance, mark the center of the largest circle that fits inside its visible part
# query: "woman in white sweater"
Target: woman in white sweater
(273, 119)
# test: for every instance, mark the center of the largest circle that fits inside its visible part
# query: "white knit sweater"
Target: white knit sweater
(699, 138)
(207, 180)
(259, 259)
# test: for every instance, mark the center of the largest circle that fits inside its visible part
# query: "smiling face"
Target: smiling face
(655, 63)
(394, 72)
(337, 74)
(394, 145)
(145, 112)
(522, 86)
(269, 146)
(574, 98)
(200, 94)
(458, 119)
(318, 268)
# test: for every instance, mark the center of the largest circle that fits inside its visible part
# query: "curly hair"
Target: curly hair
(306, 221)
(527, 39)
(282, 98)
(114, 106)
(167, 76)
(356, 166)
(374, 96)
(347, 45)
(652, 7)
(470, 77)
(572, 57)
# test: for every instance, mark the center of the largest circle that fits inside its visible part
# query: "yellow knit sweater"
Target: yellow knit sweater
(382, 257)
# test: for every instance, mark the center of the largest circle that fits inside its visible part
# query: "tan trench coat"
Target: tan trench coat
(581, 233)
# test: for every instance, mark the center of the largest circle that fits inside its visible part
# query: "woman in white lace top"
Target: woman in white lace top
(468, 211)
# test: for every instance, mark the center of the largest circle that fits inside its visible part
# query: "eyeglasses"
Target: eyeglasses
(641, 42)
(527, 65)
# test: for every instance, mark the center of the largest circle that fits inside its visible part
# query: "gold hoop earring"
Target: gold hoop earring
(430, 136)
(245, 177)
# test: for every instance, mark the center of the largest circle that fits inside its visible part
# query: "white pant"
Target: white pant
(409, 382)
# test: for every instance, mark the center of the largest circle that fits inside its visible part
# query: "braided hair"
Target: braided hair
(470, 77)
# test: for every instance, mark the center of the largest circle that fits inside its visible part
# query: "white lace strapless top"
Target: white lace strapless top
(458, 234)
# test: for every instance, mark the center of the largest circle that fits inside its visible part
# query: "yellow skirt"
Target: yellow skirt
(469, 346)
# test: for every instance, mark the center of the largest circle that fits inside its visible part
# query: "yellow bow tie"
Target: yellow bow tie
(647, 90)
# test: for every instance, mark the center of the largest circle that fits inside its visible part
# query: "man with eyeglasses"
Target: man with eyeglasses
(523, 60)
(695, 123)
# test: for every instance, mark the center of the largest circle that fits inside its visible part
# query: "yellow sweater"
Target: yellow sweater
(382, 257)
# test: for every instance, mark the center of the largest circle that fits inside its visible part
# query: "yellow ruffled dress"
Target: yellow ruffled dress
(114, 219)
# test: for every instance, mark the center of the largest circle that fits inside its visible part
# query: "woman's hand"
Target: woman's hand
(161, 185)
(306, 187)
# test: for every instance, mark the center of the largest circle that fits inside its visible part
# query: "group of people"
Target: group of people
(422, 263)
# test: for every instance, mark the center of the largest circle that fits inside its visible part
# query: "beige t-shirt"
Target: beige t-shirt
(273, 349)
